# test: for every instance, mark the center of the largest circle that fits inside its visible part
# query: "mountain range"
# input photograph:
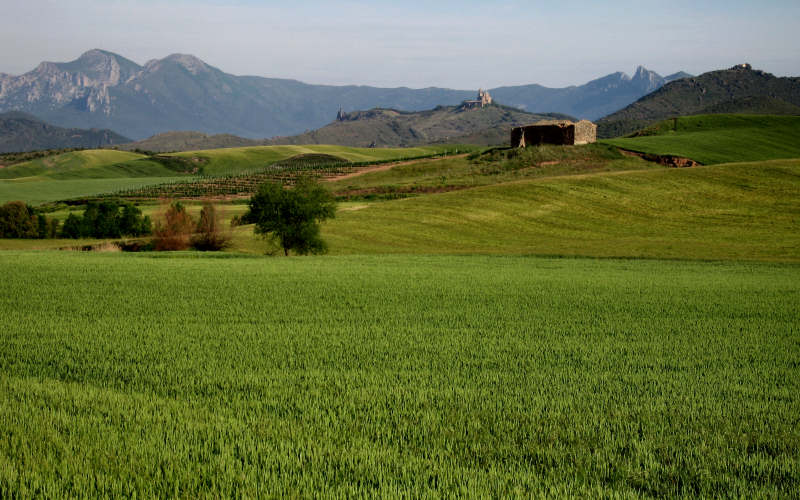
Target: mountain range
(180, 92)
(21, 132)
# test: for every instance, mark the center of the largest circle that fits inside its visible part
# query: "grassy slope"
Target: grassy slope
(735, 211)
(713, 139)
(234, 160)
(73, 162)
(385, 376)
(493, 167)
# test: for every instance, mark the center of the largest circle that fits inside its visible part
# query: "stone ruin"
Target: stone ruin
(483, 100)
(558, 132)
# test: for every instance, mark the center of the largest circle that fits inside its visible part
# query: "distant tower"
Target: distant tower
(341, 115)
(484, 97)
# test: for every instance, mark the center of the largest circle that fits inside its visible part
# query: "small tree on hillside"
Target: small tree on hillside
(209, 235)
(174, 230)
(291, 217)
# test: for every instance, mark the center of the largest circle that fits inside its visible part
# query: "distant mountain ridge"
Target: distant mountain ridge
(101, 89)
(593, 100)
(20, 132)
(740, 89)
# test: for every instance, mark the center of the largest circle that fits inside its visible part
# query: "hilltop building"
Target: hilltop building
(341, 115)
(483, 100)
(559, 132)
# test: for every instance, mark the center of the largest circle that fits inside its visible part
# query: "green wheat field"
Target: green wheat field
(143, 375)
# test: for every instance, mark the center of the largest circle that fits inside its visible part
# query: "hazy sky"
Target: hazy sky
(461, 44)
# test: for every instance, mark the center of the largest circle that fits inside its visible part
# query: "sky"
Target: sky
(462, 44)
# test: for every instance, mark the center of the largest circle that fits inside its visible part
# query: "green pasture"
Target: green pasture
(711, 139)
(81, 164)
(738, 211)
(186, 376)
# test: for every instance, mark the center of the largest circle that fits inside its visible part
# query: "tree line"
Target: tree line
(104, 219)
(290, 217)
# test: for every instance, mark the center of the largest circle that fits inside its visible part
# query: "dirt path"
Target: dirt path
(389, 166)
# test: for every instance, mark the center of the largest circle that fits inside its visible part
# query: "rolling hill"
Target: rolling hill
(745, 211)
(740, 89)
(392, 128)
(21, 132)
(180, 92)
(721, 138)
(189, 141)
(92, 172)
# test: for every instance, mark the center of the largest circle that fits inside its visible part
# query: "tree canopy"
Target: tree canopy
(292, 216)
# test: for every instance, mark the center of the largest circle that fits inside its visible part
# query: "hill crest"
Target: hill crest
(21, 132)
(740, 89)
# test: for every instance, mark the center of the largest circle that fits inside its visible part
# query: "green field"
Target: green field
(736, 211)
(84, 164)
(745, 211)
(191, 376)
(711, 139)
(36, 190)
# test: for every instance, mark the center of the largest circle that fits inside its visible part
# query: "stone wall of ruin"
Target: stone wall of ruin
(536, 135)
(585, 132)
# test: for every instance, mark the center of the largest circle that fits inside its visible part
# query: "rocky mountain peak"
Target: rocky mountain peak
(99, 67)
(648, 80)
(191, 63)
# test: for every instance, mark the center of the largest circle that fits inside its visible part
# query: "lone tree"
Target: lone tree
(292, 216)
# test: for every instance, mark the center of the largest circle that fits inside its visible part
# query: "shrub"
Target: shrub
(174, 230)
(209, 235)
(73, 227)
(17, 220)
